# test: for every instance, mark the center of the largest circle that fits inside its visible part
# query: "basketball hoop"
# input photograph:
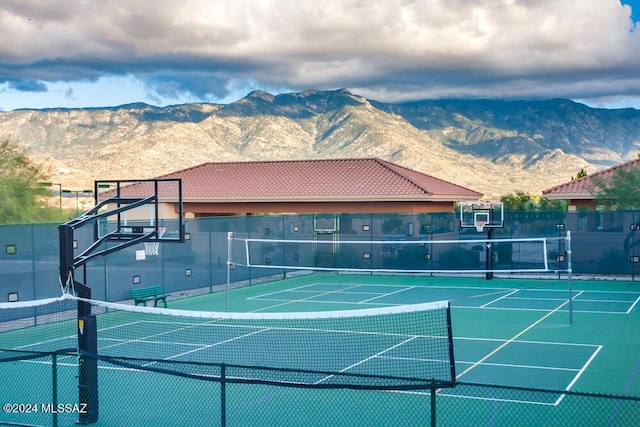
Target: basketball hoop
(153, 248)
(479, 225)
(481, 215)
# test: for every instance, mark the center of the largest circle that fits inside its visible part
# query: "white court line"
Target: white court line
(285, 301)
(340, 291)
(163, 343)
(512, 365)
(142, 339)
(495, 399)
(258, 297)
(305, 299)
(441, 392)
(498, 299)
(386, 295)
(74, 336)
(570, 344)
(595, 291)
(296, 289)
(316, 301)
(633, 305)
(579, 374)
(537, 309)
(303, 289)
(46, 341)
(210, 345)
(593, 301)
(559, 298)
(617, 301)
(368, 358)
(525, 330)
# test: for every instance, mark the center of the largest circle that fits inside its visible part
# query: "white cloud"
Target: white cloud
(394, 49)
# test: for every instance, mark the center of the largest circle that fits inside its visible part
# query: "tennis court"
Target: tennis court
(506, 332)
(498, 325)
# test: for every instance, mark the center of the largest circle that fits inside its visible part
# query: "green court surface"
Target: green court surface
(510, 332)
(506, 331)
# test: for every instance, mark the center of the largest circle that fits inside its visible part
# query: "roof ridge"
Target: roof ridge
(427, 191)
(337, 159)
(168, 175)
(386, 164)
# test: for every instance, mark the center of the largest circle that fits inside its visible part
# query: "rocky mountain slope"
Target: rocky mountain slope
(494, 147)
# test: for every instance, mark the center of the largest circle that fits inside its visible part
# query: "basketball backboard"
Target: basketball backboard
(140, 207)
(481, 215)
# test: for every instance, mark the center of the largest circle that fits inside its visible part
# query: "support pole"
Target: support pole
(569, 271)
(87, 331)
(489, 255)
(87, 360)
(54, 390)
(229, 237)
(223, 395)
(433, 407)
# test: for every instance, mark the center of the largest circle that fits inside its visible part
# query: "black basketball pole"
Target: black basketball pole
(489, 255)
(69, 262)
(87, 332)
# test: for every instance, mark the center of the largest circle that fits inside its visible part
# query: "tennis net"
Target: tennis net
(524, 255)
(44, 325)
(397, 348)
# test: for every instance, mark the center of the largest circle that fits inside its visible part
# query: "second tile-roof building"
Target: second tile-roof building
(581, 192)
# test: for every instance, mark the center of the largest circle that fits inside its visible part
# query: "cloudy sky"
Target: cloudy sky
(91, 53)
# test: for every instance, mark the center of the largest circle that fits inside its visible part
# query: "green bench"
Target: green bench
(151, 293)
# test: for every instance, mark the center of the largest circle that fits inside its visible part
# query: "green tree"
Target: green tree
(622, 191)
(581, 173)
(521, 201)
(547, 205)
(21, 198)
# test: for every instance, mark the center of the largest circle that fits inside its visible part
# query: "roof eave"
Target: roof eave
(323, 199)
(569, 196)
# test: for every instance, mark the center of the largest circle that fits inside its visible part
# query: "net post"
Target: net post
(569, 270)
(229, 237)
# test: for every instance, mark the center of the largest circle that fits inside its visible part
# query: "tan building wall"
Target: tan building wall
(240, 208)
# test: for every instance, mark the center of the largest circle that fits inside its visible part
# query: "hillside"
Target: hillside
(494, 147)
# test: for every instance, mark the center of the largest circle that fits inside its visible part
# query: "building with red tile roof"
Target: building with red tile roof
(314, 186)
(581, 192)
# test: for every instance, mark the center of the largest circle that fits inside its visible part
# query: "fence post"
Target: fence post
(54, 389)
(223, 396)
(433, 407)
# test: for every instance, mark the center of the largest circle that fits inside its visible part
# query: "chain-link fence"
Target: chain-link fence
(603, 243)
(491, 405)
(142, 393)
(40, 388)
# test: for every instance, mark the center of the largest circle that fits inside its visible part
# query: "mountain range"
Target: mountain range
(495, 147)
